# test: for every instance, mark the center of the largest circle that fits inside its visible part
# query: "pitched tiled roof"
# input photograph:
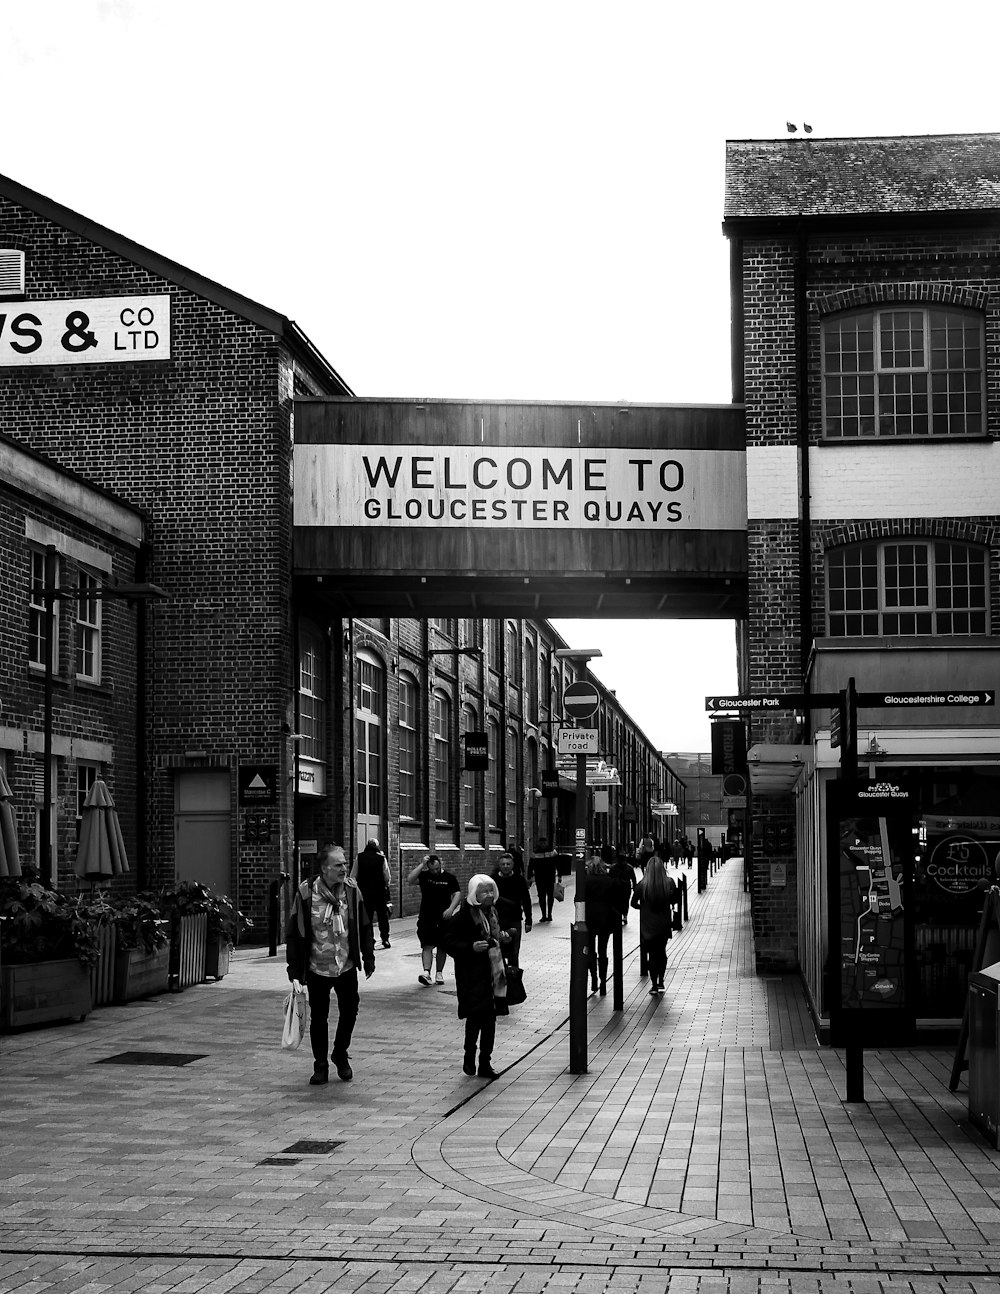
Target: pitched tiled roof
(843, 177)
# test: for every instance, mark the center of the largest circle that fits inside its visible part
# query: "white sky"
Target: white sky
(461, 200)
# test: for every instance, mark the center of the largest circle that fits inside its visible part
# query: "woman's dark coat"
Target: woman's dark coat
(473, 976)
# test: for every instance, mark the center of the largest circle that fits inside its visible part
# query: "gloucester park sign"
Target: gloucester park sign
(646, 498)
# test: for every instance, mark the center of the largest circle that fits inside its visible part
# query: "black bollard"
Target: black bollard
(273, 912)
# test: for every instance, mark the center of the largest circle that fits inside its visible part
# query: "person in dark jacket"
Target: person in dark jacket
(654, 897)
(604, 907)
(542, 870)
(372, 874)
(474, 940)
(620, 869)
(329, 936)
(513, 903)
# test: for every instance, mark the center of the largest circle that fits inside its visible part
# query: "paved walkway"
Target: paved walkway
(708, 1147)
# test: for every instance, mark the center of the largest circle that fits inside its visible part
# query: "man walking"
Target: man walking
(329, 936)
(372, 874)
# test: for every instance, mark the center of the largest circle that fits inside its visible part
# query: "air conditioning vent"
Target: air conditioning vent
(11, 273)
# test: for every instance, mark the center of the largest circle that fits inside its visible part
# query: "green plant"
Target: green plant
(225, 920)
(39, 924)
(140, 922)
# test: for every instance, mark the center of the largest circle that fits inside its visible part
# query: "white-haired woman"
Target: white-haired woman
(473, 937)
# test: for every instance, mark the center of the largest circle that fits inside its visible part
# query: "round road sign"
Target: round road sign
(580, 700)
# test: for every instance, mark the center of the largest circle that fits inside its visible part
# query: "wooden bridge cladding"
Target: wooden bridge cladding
(520, 571)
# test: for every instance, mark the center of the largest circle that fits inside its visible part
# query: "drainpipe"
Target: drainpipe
(802, 440)
(141, 734)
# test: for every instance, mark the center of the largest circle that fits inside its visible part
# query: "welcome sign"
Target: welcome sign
(441, 485)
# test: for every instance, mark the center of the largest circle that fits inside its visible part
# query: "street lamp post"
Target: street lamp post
(579, 947)
(141, 592)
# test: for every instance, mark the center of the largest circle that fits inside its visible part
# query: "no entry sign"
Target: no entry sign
(580, 700)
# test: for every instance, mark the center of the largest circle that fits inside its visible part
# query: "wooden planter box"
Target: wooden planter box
(44, 991)
(217, 954)
(139, 973)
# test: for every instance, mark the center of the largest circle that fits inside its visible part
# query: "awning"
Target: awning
(774, 770)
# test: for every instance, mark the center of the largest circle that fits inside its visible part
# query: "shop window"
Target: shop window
(903, 372)
(88, 627)
(897, 588)
(409, 745)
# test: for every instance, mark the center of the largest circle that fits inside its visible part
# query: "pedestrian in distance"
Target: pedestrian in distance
(647, 848)
(437, 890)
(372, 874)
(620, 869)
(328, 938)
(605, 905)
(513, 904)
(517, 853)
(654, 897)
(542, 870)
(475, 942)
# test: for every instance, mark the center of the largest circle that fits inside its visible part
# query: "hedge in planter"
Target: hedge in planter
(142, 960)
(48, 944)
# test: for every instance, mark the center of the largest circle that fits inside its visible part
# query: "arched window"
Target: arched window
(495, 638)
(512, 781)
(409, 745)
(442, 756)
(906, 587)
(471, 781)
(903, 371)
(531, 678)
(493, 774)
(369, 762)
(513, 654)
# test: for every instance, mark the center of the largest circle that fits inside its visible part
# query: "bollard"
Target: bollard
(618, 1004)
(272, 911)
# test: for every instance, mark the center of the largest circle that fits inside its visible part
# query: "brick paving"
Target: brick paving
(708, 1147)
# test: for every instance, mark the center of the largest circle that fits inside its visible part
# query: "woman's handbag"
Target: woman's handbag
(296, 1019)
(516, 993)
(558, 892)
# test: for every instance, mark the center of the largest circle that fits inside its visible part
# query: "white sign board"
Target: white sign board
(84, 330)
(576, 741)
(492, 487)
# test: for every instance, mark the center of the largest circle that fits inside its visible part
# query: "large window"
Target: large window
(36, 613)
(512, 782)
(903, 372)
(494, 774)
(368, 721)
(471, 782)
(408, 746)
(88, 628)
(442, 757)
(906, 588)
(312, 694)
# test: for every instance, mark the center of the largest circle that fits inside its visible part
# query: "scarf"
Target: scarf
(490, 923)
(333, 907)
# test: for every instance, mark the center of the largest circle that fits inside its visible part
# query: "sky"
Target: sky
(471, 201)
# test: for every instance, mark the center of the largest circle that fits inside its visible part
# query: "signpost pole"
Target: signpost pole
(579, 948)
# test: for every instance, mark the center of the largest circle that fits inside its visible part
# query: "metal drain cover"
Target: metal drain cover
(151, 1058)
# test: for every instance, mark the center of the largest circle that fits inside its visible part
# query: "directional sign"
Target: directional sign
(580, 700)
(900, 700)
(775, 701)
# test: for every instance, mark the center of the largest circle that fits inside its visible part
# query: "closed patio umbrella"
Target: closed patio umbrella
(10, 858)
(101, 851)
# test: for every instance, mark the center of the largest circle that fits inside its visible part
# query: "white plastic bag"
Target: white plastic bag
(296, 1019)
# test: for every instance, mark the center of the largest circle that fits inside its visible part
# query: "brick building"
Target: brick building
(147, 423)
(866, 305)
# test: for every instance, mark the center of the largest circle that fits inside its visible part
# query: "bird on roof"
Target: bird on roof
(791, 127)
(807, 128)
